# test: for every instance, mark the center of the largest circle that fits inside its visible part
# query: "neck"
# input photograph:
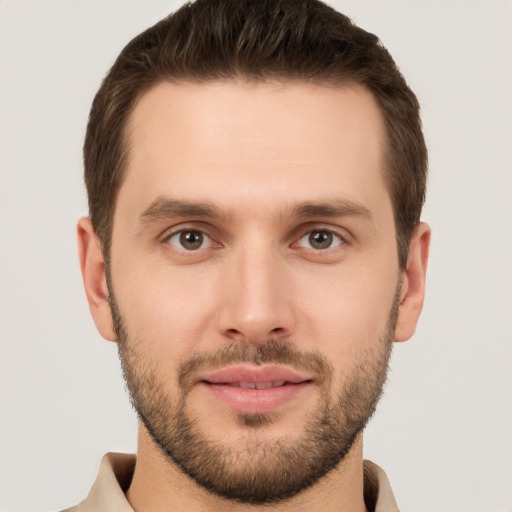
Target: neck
(157, 483)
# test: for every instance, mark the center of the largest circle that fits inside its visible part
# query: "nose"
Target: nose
(257, 302)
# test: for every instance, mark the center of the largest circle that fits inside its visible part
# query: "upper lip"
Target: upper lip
(253, 374)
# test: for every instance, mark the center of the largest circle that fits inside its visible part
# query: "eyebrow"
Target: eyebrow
(165, 208)
(333, 208)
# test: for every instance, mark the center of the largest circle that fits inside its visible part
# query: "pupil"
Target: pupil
(191, 240)
(320, 239)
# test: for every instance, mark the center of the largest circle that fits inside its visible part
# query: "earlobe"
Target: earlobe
(412, 291)
(92, 265)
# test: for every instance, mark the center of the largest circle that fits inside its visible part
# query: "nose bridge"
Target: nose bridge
(257, 306)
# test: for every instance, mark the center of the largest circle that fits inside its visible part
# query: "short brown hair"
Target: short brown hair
(303, 40)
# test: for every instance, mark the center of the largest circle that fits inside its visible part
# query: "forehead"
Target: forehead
(292, 141)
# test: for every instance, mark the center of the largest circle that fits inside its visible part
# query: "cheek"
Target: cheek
(169, 311)
(348, 314)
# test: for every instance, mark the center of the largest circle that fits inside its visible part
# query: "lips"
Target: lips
(255, 390)
(257, 385)
(254, 374)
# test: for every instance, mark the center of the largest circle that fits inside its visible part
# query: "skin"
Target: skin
(256, 153)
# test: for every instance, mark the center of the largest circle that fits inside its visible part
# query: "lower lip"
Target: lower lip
(256, 401)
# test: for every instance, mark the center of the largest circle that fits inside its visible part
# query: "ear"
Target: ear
(412, 290)
(92, 265)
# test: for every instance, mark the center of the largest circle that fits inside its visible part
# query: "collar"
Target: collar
(116, 472)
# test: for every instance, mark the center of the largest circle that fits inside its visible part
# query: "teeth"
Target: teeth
(259, 385)
(248, 385)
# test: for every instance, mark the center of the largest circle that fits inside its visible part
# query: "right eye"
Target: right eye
(190, 240)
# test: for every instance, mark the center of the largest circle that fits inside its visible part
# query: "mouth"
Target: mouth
(255, 390)
(255, 385)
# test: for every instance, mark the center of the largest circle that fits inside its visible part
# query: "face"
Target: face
(254, 279)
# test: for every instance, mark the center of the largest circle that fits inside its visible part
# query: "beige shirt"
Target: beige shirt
(116, 471)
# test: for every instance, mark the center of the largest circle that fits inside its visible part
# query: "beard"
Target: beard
(256, 471)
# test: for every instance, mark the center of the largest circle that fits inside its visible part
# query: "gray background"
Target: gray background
(443, 430)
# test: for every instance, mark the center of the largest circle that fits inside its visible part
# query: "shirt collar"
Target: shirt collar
(116, 471)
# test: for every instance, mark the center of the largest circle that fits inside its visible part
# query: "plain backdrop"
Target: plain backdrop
(443, 432)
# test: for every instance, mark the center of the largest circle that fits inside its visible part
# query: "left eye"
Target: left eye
(190, 240)
(320, 239)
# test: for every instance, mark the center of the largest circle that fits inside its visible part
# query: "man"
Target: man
(255, 173)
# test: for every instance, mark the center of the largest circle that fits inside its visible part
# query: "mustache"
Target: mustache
(273, 351)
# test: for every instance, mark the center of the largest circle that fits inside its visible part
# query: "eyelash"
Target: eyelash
(337, 238)
(332, 238)
(184, 231)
